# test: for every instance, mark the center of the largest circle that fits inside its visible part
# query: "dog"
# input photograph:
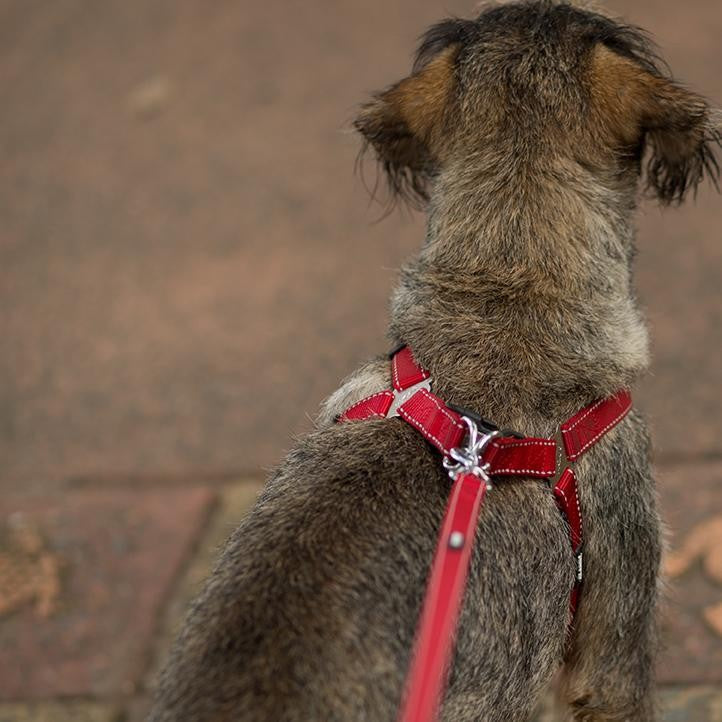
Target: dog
(527, 134)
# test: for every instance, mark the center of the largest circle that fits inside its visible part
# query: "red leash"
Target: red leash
(444, 593)
(486, 453)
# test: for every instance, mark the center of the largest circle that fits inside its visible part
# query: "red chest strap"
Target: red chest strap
(585, 428)
(405, 372)
(445, 428)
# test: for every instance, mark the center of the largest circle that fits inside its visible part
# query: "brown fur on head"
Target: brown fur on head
(557, 79)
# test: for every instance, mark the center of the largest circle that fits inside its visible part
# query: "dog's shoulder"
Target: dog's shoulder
(370, 378)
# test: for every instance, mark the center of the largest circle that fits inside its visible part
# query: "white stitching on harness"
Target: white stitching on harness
(417, 425)
(515, 444)
(579, 506)
(566, 499)
(366, 399)
(583, 416)
(395, 372)
(600, 434)
(530, 472)
(441, 408)
(395, 367)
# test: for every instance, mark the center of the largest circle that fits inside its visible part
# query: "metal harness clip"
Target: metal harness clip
(468, 458)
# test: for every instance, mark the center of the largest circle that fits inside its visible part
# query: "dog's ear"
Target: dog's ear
(681, 135)
(673, 125)
(405, 125)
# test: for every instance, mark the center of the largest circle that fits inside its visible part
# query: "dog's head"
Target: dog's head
(530, 82)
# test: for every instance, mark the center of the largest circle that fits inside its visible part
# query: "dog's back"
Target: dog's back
(310, 614)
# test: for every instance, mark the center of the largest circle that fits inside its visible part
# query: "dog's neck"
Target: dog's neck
(521, 300)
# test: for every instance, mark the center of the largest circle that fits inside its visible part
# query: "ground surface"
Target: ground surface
(189, 266)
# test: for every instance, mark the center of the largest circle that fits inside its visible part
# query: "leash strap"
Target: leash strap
(444, 593)
(412, 400)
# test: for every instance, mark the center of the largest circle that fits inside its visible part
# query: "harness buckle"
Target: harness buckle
(482, 423)
(468, 458)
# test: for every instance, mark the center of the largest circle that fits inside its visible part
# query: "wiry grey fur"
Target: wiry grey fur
(524, 131)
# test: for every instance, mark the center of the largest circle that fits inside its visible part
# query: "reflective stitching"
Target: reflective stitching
(583, 416)
(530, 442)
(395, 368)
(579, 508)
(530, 472)
(366, 400)
(600, 434)
(441, 408)
(419, 427)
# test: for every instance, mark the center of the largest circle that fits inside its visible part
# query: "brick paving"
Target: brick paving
(179, 221)
(108, 558)
(692, 620)
(60, 712)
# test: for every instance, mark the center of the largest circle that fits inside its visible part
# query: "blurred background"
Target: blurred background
(188, 265)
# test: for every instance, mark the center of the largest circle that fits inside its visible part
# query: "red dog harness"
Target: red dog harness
(474, 451)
